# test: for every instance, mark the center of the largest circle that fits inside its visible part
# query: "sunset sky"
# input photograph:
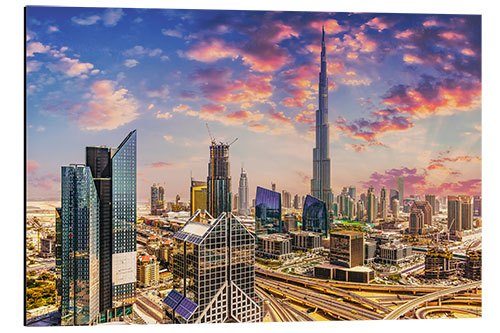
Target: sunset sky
(404, 98)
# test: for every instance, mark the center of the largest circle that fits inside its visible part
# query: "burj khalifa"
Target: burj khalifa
(320, 183)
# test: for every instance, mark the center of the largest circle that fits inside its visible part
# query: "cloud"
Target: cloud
(130, 63)
(162, 92)
(362, 147)
(165, 115)
(332, 26)
(33, 66)
(171, 33)
(161, 165)
(70, 67)
(168, 138)
(45, 182)
(108, 107)
(89, 20)
(31, 166)
(112, 16)
(378, 23)
(52, 28)
(139, 51)
(258, 128)
(304, 177)
(211, 50)
(36, 47)
(434, 96)
(367, 130)
(40, 128)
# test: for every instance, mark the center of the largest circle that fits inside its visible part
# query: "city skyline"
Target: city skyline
(201, 66)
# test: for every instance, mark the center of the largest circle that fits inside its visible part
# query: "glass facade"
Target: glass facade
(214, 268)
(315, 216)
(267, 212)
(79, 258)
(124, 178)
(219, 180)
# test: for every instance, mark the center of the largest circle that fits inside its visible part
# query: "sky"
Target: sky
(404, 96)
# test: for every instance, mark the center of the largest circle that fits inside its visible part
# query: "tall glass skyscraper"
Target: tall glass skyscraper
(400, 188)
(320, 182)
(243, 194)
(79, 257)
(115, 174)
(219, 180)
(267, 211)
(315, 216)
(214, 272)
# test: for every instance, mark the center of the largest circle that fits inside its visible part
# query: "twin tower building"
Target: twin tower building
(214, 254)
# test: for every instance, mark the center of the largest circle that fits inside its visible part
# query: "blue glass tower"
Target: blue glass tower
(267, 212)
(79, 257)
(315, 216)
(124, 201)
(320, 182)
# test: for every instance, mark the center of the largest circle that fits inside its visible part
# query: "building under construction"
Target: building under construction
(473, 265)
(439, 264)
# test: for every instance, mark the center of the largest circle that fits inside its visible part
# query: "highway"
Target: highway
(313, 299)
(281, 311)
(403, 309)
(420, 289)
(423, 312)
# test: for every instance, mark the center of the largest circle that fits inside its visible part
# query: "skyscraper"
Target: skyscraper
(157, 199)
(79, 261)
(467, 212)
(320, 182)
(243, 194)
(426, 208)
(315, 216)
(115, 178)
(384, 203)
(198, 195)
(371, 207)
(400, 189)
(477, 205)
(267, 212)
(431, 199)
(214, 263)
(395, 208)
(454, 214)
(352, 192)
(219, 180)
(416, 223)
(287, 199)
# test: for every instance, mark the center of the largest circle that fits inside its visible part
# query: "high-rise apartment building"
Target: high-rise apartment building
(395, 208)
(296, 201)
(287, 199)
(352, 192)
(320, 182)
(400, 188)
(198, 195)
(477, 205)
(454, 214)
(426, 208)
(243, 209)
(78, 264)
(431, 199)
(219, 180)
(214, 264)
(416, 221)
(467, 212)
(371, 210)
(360, 210)
(157, 199)
(384, 203)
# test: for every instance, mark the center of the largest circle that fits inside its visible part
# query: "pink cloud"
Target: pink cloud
(331, 26)
(108, 108)
(258, 128)
(378, 24)
(161, 165)
(211, 50)
(70, 67)
(31, 166)
(36, 47)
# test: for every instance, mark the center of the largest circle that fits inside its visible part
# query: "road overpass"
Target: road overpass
(405, 308)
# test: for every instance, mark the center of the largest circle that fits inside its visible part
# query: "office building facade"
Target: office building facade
(347, 248)
(78, 264)
(214, 272)
(198, 195)
(426, 208)
(157, 199)
(267, 212)
(315, 216)
(400, 188)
